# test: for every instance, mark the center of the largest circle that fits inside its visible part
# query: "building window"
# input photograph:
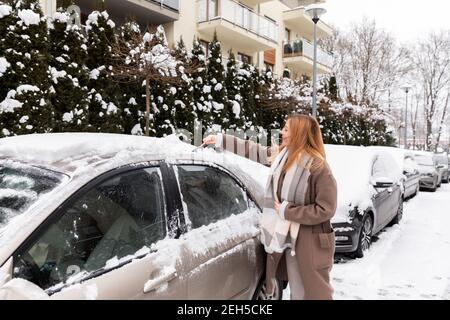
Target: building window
(244, 58)
(205, 46)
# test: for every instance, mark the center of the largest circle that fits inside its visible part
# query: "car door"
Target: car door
(111, 240)
(382, 199)
(220, 234)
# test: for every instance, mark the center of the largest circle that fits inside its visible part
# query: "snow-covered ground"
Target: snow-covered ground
(408, 261)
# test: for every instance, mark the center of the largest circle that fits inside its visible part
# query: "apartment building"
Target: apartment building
(267, 33)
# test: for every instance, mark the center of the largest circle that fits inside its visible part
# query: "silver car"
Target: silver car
(120, 217)
(430, 176)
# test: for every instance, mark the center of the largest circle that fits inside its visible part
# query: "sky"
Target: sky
(407, 20)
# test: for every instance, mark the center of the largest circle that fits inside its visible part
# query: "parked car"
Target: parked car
(411, 175)
(441, 160)
(370, 195)
(430, 176)
(124, 217)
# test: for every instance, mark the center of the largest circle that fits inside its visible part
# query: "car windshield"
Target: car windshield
(21, 185)
(424, 160)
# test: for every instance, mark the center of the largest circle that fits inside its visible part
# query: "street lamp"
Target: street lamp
(406, 88)
(315, 12)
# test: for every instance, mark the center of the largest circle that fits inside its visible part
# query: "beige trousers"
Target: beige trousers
(293, 270)
(295, 280)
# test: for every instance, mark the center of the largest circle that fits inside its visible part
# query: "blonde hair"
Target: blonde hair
(306, 138)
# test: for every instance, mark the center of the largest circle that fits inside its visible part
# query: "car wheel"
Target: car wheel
(261, 294)
(399, 215)
(365, 237)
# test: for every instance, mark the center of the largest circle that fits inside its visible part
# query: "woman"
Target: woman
(302, 191)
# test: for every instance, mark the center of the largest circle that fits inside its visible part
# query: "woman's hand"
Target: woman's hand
(277, 206)
(211, 139)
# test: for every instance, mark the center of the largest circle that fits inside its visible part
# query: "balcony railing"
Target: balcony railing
(239, 15)
(171, 4)
(302, 47)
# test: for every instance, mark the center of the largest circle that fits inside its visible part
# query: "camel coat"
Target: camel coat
(315, 245)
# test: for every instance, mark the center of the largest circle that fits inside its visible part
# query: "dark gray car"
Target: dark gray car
(373, 210)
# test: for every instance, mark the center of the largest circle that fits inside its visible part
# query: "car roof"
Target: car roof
(81, 154)
(66, 152)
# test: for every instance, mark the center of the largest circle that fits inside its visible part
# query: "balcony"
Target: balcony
(253, 3)
(298, 55)
(146, 12)
(297, 20)
(236, 25)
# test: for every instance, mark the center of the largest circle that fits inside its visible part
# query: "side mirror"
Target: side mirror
(382, 182)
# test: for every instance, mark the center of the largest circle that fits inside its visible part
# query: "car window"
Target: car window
(210, 194)
(114, 219)
(21, 185)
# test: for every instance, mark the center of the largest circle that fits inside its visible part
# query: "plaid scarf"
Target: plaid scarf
(278, 234)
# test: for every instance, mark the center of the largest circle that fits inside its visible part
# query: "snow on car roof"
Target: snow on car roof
(68, 151)
(397, 153)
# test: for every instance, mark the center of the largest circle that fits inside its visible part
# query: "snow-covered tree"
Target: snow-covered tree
(202, 105)
(246, 74)
(27, 77)
(148, 58)
(104, 113)
(132, 93)
(69, 73)
(234, 94)
(184, 104)
(215, 83)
